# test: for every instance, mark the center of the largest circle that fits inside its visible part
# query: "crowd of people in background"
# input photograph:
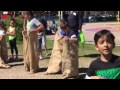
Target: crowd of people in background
(64, 55)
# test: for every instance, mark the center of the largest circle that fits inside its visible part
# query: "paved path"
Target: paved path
(91, 28)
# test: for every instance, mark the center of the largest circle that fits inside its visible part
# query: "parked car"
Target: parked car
(101, 18)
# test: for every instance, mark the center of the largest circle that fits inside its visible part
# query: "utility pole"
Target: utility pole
(49, 15)
(1, 15)
(61, 14)
(118, 16)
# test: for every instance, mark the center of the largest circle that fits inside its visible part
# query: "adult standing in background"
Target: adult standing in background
(81, 15)
(73, 21)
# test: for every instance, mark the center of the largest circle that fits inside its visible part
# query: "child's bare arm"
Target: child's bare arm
(39, 28)
(1, 37)
(73, 39)
(11, 33)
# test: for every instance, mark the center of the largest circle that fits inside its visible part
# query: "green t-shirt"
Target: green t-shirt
(109, 70)
(11, 29)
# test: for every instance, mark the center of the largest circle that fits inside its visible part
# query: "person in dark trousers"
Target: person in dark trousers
(65, 15)
(73, 22)
(11, 32)
(81, 14)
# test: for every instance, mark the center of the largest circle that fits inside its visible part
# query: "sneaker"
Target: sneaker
(11, 58)
(40, 57)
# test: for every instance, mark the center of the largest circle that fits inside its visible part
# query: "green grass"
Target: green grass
(89, 49)
(20, 46)
(50, 44)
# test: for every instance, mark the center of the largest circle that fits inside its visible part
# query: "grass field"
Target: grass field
(86, 56)
(88, 50)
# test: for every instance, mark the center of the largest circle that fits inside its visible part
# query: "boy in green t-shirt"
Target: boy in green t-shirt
(107, 65)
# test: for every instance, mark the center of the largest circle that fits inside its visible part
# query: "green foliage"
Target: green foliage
(19, 21)
(6, 22)
(49, 43)
(88, 50)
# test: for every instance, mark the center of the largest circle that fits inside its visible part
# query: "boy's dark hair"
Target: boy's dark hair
(105, 32)
(63, 24)
(28, 13)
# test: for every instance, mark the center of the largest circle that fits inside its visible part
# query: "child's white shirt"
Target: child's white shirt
(2, 32)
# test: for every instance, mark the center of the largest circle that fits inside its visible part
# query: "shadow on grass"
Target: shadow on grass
(49, 48)
(90, 55)
(15, 60)
(42, 69)
(20, 64)
(15, 55)
(48, 57)
(82, 70)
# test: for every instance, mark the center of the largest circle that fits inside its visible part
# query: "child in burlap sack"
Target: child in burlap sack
(68, 53)
(30, 40)
(3, 47)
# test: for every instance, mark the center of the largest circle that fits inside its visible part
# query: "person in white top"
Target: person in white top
(3, 47)
(30, 40)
